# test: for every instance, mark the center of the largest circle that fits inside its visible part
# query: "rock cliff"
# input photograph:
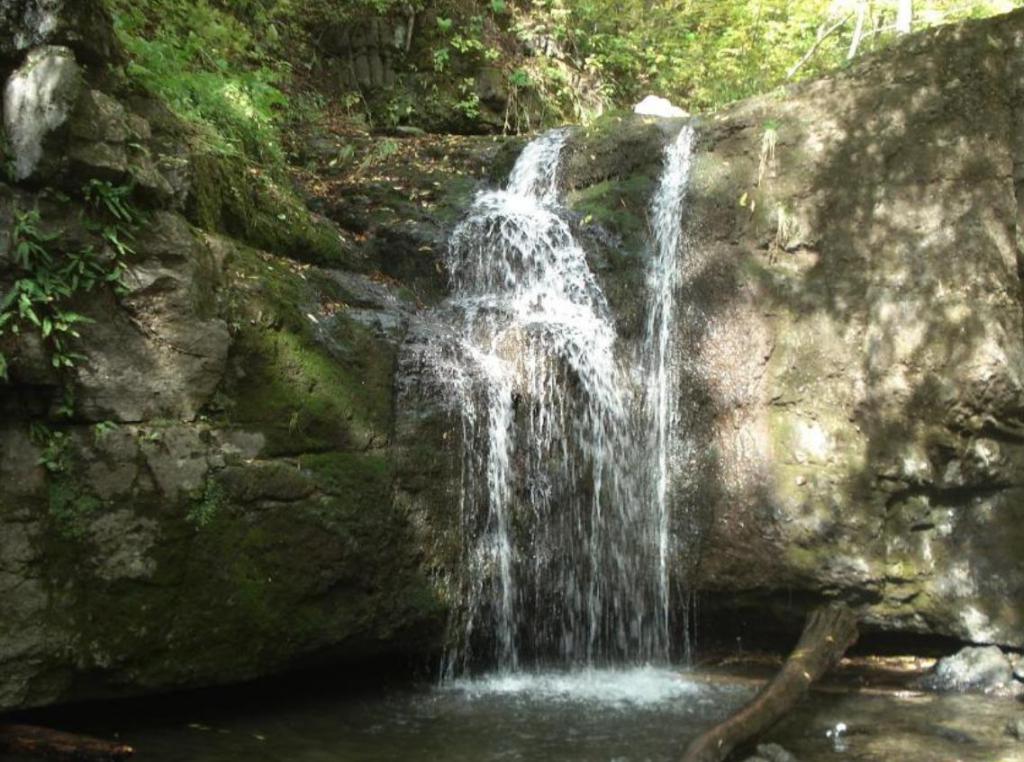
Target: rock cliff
(241, 470)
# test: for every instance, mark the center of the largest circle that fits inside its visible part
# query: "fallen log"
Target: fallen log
(829, 631)
(54, 744)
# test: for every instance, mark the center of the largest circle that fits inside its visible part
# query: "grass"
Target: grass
(207, 65)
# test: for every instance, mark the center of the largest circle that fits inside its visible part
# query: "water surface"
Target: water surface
(639, 715)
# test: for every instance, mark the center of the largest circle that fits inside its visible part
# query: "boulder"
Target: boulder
(1015, 728)
(99, 130)
(39, 97)
(85, 26)
(163, 549)
(983, 669)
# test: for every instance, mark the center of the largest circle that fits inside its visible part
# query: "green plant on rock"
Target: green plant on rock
(102, 429)
(70, 501)
(114, 200)
(53, 446)
(205, 509)
(39, 296)
(6, 158)
(115, 219)
(468, 103)
(71, 505)
(48, 278)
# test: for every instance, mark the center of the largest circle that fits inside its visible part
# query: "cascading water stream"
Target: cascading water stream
(565, 528)
(664, 278)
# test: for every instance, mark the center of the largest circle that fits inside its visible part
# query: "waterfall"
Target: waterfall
(664, 278)
(565, 530)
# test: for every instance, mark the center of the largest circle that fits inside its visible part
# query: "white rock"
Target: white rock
(653, 105)
(38, 99)
(975, 668)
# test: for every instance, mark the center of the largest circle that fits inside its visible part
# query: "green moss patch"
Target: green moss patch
(311, 378)
(619, 206)
(234, 197)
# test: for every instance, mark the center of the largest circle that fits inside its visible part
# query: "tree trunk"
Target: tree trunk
(904, 16)
(53, 744)
(858, 30)
(829, 631)
(823, 34)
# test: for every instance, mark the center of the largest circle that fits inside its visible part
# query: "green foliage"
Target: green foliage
(519, 78)
(48, 279)
(6, 158)
(70, 502)
(46, 282)
(469, 101)
(71, 505)
(102, 429)
(382, 151)
(112, 200)
(53, 446)
(705, 53)
(239, 71)
(209, 67)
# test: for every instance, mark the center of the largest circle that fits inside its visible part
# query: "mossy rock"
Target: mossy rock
(303, 372)
(248, 202)
(616, 146)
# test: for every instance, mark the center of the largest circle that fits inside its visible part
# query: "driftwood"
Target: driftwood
(829, 631)
(54, 744)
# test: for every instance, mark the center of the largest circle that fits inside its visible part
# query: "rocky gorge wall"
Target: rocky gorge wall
(203, 494)
(860, 269)
(244, 470)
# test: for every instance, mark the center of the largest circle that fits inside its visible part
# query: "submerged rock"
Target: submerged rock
(772, 752)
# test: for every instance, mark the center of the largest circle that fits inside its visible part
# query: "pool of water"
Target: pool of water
(640, 715)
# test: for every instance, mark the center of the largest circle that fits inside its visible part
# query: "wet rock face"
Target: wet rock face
(160, 547)
(166, 359)
(1015, 729)
(772, 752)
